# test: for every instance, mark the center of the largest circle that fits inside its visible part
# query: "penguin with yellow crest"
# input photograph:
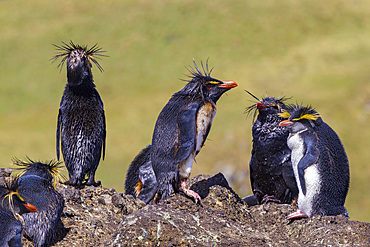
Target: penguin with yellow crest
(319, 161)
(36, 183)
(12, 207)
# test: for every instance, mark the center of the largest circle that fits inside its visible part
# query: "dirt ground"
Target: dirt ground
(97, 216)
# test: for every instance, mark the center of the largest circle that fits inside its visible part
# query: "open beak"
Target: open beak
(261, 106)
(30, 207)
(228, 84)
(285, 123)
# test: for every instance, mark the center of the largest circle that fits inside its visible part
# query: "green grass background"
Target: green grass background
(316, 51)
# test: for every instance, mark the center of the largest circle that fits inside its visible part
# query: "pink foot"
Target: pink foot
(189, 192)
(297, 214)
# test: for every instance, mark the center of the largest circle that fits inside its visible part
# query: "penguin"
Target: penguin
(81, 127)
(36, 183)
(179, 134)
(141, 181)
(271, 173)
(12, 207)
(319, 161)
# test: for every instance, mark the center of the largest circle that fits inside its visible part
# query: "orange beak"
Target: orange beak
(228, 84)
(261, 106)
(285, 123)
(30, 207)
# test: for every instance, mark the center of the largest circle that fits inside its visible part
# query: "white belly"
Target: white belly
(311, 175)
(204, 120)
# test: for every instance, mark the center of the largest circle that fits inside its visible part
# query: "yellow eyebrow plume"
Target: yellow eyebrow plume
(284, 114)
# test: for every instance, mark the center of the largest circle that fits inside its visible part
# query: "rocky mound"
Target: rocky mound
(103, 217)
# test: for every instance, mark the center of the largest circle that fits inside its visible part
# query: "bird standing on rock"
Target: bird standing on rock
(271, 171)
(320, 163)
(12, 207)
(81, 127)
(36, 183)
(179, 134)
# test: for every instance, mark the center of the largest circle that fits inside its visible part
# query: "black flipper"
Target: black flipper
(104, 135)
(149, 181)
(188, 130)
(58, 133)
(310, 157)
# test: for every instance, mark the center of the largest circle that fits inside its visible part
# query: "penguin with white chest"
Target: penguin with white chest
(320, 163)
(179, 134)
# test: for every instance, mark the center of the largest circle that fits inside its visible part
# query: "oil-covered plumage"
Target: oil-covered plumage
(180, 132)
(319, 162)
(36, 184)
(141, 181)
(81, 128)
(12, 207)
(271, 171)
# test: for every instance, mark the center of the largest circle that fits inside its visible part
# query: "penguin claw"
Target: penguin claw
(190, 193)
(296, 215)
(95, 184)
(271, 198)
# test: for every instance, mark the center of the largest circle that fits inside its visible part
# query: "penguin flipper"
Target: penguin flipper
(104, 134)
(58, 133)
(187, 132)
(149, 181)
(310, 158)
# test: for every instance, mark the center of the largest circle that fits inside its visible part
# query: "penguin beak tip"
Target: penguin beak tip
(261, 106)
(228, 84)
(285, 123)
(30, 207)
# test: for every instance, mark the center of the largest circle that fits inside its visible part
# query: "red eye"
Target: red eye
(208, 88)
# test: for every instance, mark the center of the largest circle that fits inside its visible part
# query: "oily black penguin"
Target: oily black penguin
(271, 172)
(36, 183)
(81, 128)
(320, 163)
(12, 207)
(180, 132)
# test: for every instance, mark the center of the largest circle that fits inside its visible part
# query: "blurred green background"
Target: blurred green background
(316, 51)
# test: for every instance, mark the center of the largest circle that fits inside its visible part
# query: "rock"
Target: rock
(96, 216)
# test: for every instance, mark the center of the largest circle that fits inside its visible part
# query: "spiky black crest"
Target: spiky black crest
(263, 100)
(53, 167)
(197, 74)
(66, 50)
(199, 78)
(296, 112)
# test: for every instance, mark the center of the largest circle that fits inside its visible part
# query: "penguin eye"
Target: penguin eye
(208, 88)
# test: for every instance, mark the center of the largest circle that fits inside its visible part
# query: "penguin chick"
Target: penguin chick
(181, 130)
(271, 171)
(12, 206)
(320, 163)
(81, 128)
(36, 185)
(140, 179)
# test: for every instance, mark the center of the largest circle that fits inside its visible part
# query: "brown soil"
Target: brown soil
(96, 216)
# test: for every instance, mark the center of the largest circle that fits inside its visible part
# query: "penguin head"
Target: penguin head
(204, 86)
(266, 106)
(79, 60)
(50, 171)
(11, 201)
(300, 118)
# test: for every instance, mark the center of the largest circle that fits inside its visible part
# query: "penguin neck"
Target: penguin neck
(267, 126)
(84, 87)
